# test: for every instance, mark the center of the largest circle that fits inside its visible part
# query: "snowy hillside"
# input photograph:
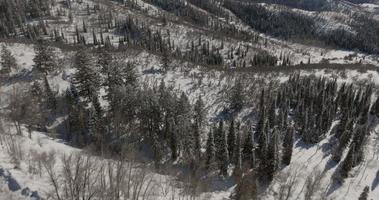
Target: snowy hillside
(189, 99)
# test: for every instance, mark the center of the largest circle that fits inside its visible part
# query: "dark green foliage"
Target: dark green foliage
(291, 25)
(364, 194)
(210, 151)
(182, 9)
(236, 99)
(45, 59)
(231, 139)
(51, 101)
(311, 5)
(283, 24)
(248, 150)
(237, 160)
(8, 62)
(288, 146)
(222, 149)
(86, 78)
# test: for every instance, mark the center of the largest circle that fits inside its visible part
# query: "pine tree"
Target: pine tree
(272, 156)
(45, 59)
(288, 145)
(344, 140)
(247, 150)
(197, 141)
(165, 60)
(375, 108)
(8, 62)
(259, 130)
(173, 141)
(231, 139)
(184, 114)
(347, 164)
(51, 102)
(86, 78)
(218, 138)
(364, 194)
(157, 150)
(199, 112)
(225, 157)
(210, 151)
(237, 152)
(236, 100)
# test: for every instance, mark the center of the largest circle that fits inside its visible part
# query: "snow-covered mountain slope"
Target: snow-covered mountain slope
(309, 161)
(183, 33)
(310, 174)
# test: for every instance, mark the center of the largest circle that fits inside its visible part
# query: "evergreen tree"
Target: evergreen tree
(259, 130)
(184, 126)
(86, 78)
(197, 141)
(210, 150)
(248, 150)
(231, 139)
(173, 145)
(236, 100)
(199, 112)
(165, 60)
(51, 102)
(45, 59)
(343, 141)
(224, 162)
(272, 157)
(347, 163)
(218, 138)
(8, 62)
(237, 152)
(288, 145)
(375, 108)
(364, 194)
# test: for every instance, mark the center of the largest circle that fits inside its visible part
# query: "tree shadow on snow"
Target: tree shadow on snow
(25, 76)
(302, 145)
(330, 165)
(152, 71)
(375, 183)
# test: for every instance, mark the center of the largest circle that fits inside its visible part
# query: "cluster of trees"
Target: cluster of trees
(15, 14)
(311, 5)
(159, 120)
(290, 25)
(304, 108)
(284, 24)
(182, 9)
(212, 6)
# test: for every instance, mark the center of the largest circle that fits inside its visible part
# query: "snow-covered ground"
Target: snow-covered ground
(213, 87)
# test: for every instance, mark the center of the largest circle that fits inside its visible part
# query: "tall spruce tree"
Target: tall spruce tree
(288, 145)
(45, 59)
(86, 79)
(8, 62)
(231, 139)
(236, 100)
(210, 150)
(237, 160)
(51, 101)
(248, 150)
